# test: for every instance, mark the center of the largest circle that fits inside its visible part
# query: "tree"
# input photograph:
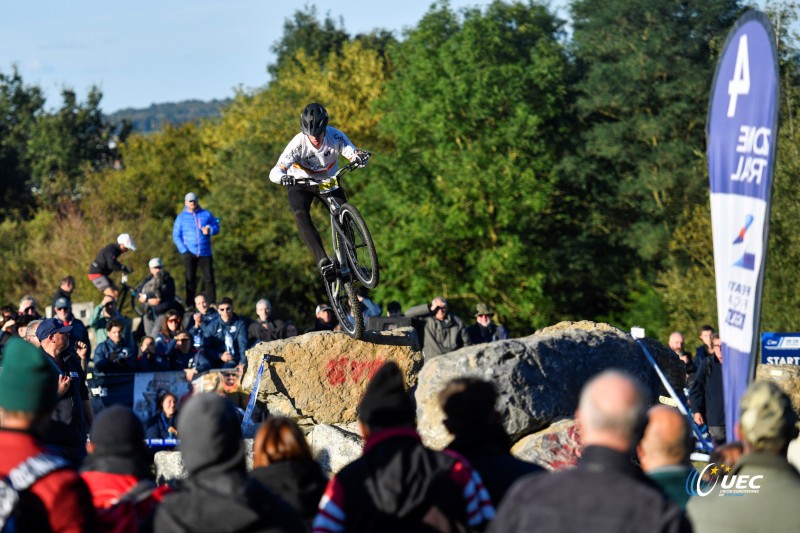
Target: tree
(304, 31)
(20, 107)
(475, 113)
(644, 75)
(64, 145)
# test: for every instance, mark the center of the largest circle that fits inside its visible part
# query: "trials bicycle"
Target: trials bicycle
(355, 259)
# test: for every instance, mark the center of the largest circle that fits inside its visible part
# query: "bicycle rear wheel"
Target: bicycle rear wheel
(359, 246)
(342, 295)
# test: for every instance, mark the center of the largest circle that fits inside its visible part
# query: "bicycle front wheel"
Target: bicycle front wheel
(359, 246)
(346, 306)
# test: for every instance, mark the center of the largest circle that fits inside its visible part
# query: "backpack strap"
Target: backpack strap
(22, 477)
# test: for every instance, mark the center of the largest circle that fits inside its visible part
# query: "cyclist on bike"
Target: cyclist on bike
(106, 262)
(314, 150)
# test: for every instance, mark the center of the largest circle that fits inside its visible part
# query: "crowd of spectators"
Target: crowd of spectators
(634, 462)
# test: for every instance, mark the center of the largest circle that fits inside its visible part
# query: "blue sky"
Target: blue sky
(149, 51)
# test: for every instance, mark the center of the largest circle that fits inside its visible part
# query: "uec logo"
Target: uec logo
(697, 486)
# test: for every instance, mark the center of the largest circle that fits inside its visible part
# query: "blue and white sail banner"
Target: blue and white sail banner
(742, 135)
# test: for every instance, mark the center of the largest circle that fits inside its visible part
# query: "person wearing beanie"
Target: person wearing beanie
(478, 434)
(769, 503)
(57, 500)
(217, 494)
(118, 467)
(72, 416)
(398, 484)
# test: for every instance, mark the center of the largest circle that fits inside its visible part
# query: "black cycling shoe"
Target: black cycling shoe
(327, 270)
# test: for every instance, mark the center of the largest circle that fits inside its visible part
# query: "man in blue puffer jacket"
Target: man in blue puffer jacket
(192, 233)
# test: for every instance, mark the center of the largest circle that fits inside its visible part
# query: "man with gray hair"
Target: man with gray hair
(264, 328)
(606, 492)
(768, 501)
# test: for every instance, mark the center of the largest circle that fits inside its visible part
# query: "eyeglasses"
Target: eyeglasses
(717, 346)
(61, 308)
(181, 340)
(156, 268)
(224, 309)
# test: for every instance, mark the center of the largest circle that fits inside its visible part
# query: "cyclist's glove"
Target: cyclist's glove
(361, 159)
(287, 181)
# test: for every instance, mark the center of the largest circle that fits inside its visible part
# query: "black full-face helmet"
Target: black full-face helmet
(314, 120)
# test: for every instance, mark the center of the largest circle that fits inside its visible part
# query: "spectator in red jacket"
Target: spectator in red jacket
(118, 468)
(57, 500)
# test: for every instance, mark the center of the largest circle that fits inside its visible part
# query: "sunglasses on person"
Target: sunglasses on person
(173, 320)
(224, 309)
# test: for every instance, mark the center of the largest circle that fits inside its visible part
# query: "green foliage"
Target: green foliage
(552, 179)
(305, 32)
(20, 106)
(644, 74)
(474, 113)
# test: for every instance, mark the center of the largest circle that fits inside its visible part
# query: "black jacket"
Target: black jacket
(399, 485)
(217, 495)
(105, 262)
(299, 482)
(605, 493)
(706, 394)
(487, 450)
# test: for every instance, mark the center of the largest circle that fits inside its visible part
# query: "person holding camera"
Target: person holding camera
(191, 234)
(443, 332)
(104, 312)
(157, 293)
(114, 354)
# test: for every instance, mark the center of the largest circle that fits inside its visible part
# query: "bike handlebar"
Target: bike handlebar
(352, 165)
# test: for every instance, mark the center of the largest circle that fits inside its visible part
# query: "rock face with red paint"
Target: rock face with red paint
(539, 378)
(557, 447)
(322, 375)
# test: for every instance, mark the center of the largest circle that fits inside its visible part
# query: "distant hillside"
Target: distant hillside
(155, 117)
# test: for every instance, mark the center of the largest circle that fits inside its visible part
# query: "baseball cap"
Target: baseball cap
(125, 240)
(61, 303)
(321, 308)
(155, 262)
(50, 326)
(767, 415)
(483, 309)
(190, 197)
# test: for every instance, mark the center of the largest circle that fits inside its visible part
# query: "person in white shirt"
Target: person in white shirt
(314, 150)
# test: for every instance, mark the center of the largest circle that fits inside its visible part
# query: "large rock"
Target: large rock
(555, 448)
(539, 378)
(335, 446)
(787, 377)
(324, 374)
(169, 466)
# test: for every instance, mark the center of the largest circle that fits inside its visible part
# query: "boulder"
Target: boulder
(555, 448)
(787, 377)
(335, 446)
(323, 374)
(169, 465)
(539, 378)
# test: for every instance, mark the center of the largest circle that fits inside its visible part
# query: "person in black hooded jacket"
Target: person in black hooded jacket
(282, 461)
(217, 494)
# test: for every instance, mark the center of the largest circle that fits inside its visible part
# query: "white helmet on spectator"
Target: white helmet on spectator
(126, 241)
